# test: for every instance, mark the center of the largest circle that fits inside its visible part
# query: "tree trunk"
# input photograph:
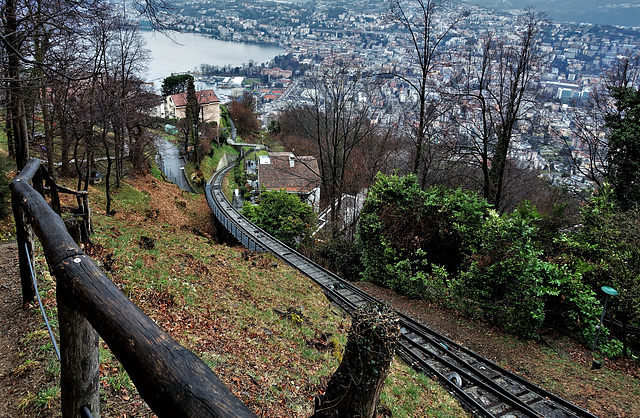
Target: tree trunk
(16, 98)
(65, 137)
(354, 389)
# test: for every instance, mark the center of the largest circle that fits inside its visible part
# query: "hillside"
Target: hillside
(258, 324)
(268, 333)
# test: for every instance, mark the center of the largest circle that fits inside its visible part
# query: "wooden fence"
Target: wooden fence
(172, 380)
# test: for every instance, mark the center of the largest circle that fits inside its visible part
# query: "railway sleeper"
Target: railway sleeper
(546, 411)
(415, 338)
(481, 396)
(499, 409)
(485, 372)
(513, 387)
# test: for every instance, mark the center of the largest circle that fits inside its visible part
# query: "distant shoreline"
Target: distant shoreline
(584, 12)
(210, 36)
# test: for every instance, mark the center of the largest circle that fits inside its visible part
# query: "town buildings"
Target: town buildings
(359, 33)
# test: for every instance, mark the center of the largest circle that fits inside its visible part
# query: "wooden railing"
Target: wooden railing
(171, 379)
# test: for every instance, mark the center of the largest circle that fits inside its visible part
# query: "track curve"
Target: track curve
(482, 386)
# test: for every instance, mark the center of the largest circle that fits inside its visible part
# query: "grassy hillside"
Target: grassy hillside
(268, 332)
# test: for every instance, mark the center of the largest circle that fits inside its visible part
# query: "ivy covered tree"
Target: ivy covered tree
(282, 215)
(411, 239)
(623, 158)
(354, 389)
(192, 118)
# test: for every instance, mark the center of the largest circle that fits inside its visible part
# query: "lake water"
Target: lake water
(187, 51)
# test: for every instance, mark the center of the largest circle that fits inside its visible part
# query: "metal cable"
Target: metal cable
(44, 315)
(85, 412)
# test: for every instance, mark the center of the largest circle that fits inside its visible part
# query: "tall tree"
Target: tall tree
(333, 124)
(118, 97)
(13, 39)
(25, 27)
(587, 145)
(193, 116)
(500, 82)
(427, 26)
(623, 122)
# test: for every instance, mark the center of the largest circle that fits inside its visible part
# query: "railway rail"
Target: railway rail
(483, 387)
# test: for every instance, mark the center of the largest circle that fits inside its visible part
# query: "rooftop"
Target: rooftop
(284, 170)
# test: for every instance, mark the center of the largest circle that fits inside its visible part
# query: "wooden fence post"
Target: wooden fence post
(24, 237)
(79, 358)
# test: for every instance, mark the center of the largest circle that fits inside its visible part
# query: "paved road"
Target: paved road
(171, 164)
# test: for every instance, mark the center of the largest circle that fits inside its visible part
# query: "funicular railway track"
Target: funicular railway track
(482, 386)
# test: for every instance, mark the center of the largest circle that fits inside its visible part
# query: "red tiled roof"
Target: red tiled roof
(303, 177)
(204, 97)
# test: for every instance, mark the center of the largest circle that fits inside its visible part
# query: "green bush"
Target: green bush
(342, 257)
(411, 239)
(449, 246)
(282, 215)
(511, 281)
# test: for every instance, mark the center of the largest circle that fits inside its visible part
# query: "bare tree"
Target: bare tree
(128, 59)
(334, 125)
(243, 113)
(500, 82)
(118, 97)
(587, 143)
(33, 35)
(427, 28)
(27, 29)
(592, 125)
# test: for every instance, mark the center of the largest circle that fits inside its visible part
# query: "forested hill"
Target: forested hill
(611, 12)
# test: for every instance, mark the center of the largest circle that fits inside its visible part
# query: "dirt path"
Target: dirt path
(20, 374)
